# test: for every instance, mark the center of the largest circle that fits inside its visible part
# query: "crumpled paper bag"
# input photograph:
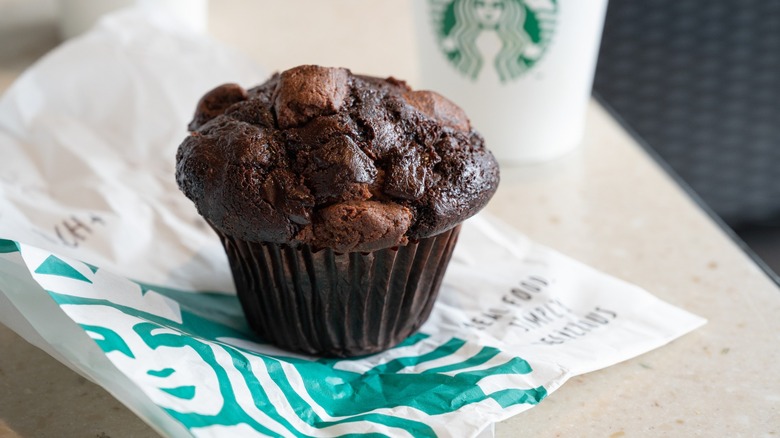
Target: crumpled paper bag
(107, 266)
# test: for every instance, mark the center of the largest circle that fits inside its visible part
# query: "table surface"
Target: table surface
(607, 204)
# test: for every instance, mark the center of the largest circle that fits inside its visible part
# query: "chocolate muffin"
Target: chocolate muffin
(338, 199)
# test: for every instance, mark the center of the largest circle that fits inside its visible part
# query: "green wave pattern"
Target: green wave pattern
(349, 396)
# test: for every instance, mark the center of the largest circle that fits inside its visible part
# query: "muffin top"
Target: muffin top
(322, 157)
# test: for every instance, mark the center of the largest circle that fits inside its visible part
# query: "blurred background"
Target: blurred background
(696, 81)
(699, 82)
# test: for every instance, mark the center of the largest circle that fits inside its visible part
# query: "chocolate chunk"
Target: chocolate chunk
(309, 91)
(336, 166)
(439, 108)
(362, 226)
(215, 102)
(410, 174)
(287, 192)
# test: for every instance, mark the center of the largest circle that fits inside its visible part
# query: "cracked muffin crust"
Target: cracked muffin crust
(318, 156)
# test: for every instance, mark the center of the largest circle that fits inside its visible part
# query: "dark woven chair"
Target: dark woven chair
(699, 82)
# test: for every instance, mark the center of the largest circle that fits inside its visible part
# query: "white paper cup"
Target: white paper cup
(521, 69)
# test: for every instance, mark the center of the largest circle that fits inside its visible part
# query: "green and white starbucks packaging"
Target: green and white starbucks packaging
(108, 268)
(521, 69)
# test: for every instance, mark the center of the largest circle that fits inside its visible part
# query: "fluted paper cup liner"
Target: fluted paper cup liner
(326, 303)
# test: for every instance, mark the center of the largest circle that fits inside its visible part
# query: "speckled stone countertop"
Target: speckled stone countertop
(607, 204)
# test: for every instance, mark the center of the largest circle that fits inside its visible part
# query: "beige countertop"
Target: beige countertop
(607, 204)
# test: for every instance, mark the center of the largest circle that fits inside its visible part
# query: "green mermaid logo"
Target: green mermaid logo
(512, 33)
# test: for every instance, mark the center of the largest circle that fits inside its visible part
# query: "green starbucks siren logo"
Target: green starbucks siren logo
(512, 35)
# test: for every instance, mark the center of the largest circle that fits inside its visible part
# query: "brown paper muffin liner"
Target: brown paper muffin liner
(326, 303)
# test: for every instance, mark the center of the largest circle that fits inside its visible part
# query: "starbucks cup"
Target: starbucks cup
(521, 69)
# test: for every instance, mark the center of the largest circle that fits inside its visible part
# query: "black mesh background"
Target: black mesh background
(699, 80)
